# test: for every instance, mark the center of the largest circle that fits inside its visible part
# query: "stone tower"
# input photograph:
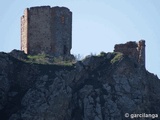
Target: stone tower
(46, 30)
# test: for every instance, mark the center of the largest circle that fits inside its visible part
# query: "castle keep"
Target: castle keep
(46, 30)
(133, 50)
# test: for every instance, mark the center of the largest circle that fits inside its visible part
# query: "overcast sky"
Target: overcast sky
(97, 25)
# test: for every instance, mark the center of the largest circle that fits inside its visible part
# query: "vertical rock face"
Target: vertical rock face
(93, 89)
(46, 30)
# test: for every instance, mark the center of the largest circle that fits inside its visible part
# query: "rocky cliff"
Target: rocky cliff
(110, 86)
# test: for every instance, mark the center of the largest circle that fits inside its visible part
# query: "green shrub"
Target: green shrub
(40, 59)
(36, 57)
(44, 59)
(60, 61)
(117, 57)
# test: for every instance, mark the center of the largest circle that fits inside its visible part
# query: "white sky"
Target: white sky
(97, 25)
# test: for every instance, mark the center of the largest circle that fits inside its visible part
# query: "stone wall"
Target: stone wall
(133, 50)
(141, 50)
(39, 32)
(24, 31)
(49, 31)
(62, 30)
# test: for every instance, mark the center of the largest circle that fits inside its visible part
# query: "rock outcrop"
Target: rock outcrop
(103, 87)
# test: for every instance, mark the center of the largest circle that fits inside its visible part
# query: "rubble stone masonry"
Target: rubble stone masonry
(46, 30)
(133, 50)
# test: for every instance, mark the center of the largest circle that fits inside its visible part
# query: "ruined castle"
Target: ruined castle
(46, 30)
(49, 30)
(133, 50)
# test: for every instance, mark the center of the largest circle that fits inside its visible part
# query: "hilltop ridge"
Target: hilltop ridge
(100, 87)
